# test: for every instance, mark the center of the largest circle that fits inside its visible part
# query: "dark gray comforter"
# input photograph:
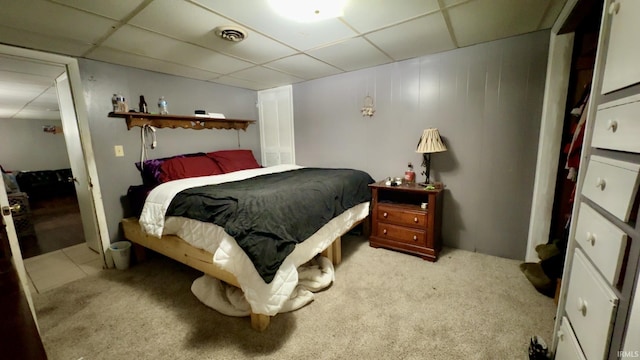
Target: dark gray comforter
(269, 214)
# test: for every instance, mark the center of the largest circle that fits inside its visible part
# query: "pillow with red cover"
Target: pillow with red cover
(150, 169)
(187, 167)
(234, 160)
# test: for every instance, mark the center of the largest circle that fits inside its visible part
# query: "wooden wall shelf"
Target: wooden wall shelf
(180, 121)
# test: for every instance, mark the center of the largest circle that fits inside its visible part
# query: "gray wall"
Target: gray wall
(24, 146)
(486, 100)
(101, 80)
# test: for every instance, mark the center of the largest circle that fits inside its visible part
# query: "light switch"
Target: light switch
(119, 150)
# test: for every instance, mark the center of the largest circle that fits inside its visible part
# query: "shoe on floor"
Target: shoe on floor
(534, 273)
(545, 251)
(538, 349)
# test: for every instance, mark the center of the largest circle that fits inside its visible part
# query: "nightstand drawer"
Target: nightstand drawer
(603, 242)
(617, 125)
(402, 234)
(591, 306)
(403, 216)
(568, 347)
(612, 184)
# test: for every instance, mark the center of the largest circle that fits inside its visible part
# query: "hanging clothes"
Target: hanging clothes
(574, 148)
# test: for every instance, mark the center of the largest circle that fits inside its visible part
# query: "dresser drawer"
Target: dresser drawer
(402, 234)
(568, 347)
(623, 54)
(401, 215)
(591, 307)
(603, 242)
(617, 125)
(612, 184)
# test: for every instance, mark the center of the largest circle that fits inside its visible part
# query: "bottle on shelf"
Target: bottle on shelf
(410, 175)
(162, 106)
(142, 106)
(114, 102)
(121, 104)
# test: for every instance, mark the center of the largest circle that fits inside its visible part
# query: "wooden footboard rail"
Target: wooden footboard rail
(174, 247)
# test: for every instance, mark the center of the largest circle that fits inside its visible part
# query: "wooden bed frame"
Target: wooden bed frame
(174, 247)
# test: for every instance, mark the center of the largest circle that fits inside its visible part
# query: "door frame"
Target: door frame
(550, 139)
(81, 112)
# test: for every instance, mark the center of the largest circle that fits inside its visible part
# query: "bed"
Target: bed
(226, 251)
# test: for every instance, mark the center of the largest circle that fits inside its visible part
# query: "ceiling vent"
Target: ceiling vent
(231, 33)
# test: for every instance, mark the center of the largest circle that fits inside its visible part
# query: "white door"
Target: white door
(16, 257)
(77, 160)
(276, 126)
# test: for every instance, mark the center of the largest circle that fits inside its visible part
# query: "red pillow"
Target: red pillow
(234, 160)
(187, 167)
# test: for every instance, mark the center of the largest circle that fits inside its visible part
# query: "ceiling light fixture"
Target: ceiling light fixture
(308, 10)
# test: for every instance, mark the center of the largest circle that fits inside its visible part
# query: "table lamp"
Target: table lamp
(430, 142)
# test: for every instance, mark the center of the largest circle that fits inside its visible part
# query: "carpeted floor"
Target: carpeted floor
(383, 305)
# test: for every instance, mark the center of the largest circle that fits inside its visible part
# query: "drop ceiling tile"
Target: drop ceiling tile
(192, 23)
(10, 92)
(142, 42)
(29, 69)
(37, 114)
(449, 3)
(21, 75)
(304, 67)
(28, 39)
(485, 20)
(271, 78)
(44, 103)
(555, 7)
(241, 83)
(426, 35)
(67, 23)
(352, 54)
(368, 15)
(137, 61)
(112, 9)
(7, 112)
(301, 36)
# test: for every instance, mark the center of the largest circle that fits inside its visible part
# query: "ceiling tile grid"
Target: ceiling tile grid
(67, 23)
(178, 36)
(193, 24)
(353, 54)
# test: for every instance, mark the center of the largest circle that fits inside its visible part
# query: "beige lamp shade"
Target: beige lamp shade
(430, 142)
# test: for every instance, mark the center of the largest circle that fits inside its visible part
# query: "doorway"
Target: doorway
(39, 174)
(78, 183)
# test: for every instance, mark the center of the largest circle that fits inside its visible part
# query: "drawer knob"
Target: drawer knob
(415, 219)
(601, 183)
(560, 335)
(415, 238)
(614, 8)
(384, 231)
(385, 214)
(612, 125)
(591, 238)
(582, 306)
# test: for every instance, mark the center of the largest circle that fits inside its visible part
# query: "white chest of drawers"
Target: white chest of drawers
(597, 315)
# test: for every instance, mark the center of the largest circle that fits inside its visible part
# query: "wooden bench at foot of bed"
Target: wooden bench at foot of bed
(174, 247)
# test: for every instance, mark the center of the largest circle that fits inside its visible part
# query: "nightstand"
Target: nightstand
(400, 223)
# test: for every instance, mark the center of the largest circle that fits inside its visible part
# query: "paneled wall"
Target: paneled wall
(24, 146)
(486, 101)
(101, 80)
